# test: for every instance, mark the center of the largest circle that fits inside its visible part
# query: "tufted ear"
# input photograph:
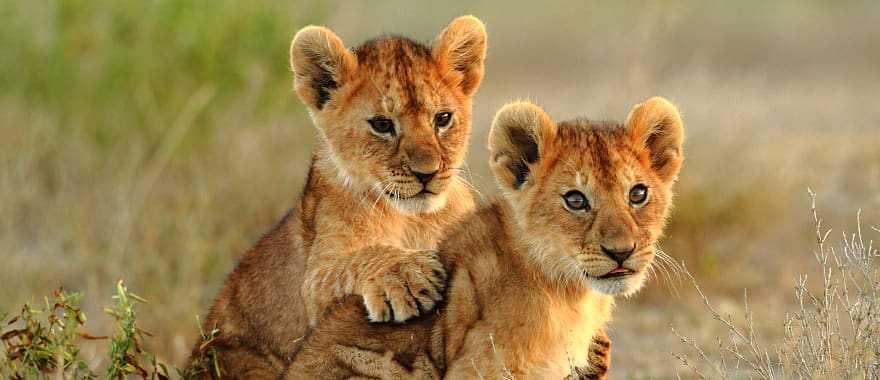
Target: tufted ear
(519, 133)
(461, 49)
(656, 126)
(320, 64)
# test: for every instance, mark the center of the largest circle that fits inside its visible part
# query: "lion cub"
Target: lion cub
(534, 273)
(393, 118)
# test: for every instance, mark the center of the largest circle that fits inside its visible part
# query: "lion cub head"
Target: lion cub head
(394, 115)
(590, 198)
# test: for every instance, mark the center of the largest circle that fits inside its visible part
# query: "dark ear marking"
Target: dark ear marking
(323, 84)
(660, 159)
(529, 150)
(526, 141)
(521, 171)
(519, 133)
(320, 64)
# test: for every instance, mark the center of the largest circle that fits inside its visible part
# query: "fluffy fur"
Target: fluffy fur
(532, 280)
(365, 224)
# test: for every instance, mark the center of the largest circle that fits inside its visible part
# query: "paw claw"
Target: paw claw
(407, 289)
(403, 306)
(376, 313)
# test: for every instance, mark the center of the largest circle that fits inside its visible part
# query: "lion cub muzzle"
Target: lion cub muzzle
(422, 156)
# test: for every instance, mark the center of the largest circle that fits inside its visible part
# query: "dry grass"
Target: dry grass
(155, 141)
(832, 330)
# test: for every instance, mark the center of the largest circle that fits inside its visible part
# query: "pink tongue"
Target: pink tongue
(620, 270)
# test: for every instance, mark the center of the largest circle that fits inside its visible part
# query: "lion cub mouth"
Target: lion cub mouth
(422, 194)
(618, 272)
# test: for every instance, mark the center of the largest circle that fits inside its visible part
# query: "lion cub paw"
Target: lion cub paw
(599, 359)
(409, 286)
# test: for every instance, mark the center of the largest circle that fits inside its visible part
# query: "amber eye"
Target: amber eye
(442, 119)
(638, 194)
(382, 125)
(576, 201)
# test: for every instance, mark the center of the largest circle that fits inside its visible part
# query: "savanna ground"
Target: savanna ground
(155, 141)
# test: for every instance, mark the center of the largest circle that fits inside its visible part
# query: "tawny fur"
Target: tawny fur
(365, 224)
(527, 293)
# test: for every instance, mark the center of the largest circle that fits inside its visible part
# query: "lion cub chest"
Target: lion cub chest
(554, 336)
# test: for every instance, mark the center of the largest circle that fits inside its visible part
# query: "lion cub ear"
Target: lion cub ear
(320, 64)
(520, 133)
(461, 49)
(656, 126)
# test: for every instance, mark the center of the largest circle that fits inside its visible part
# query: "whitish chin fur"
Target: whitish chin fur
(418, 205)
(619, 286)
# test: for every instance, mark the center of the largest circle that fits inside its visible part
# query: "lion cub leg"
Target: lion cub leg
(396, 284)
(383, 350)
(383, 366)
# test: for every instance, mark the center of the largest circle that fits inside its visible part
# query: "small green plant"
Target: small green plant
(127, 356)
(45, 343)
(39, 343)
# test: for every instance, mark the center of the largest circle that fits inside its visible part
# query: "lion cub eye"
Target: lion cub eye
(638, 194)
(576, 201)
(382, 125)
(442, 119)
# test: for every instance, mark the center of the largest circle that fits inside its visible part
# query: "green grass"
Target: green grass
(112, 116)
(45, 343)
(115, 70)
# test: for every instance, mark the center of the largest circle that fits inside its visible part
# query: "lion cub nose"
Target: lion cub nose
(618, 254)
(424, 178)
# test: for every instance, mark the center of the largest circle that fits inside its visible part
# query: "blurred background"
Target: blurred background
(155, 141)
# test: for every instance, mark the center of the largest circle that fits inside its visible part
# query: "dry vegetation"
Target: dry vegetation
(155, 141)
(831, 331)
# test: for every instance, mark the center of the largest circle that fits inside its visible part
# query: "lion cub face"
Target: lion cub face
(394, 115)
(591, 198)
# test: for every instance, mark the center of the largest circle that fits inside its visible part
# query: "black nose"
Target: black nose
(424, 178)
(618, 255)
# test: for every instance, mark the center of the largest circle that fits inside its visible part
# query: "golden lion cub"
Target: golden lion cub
(533, 274)
(394, 118)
